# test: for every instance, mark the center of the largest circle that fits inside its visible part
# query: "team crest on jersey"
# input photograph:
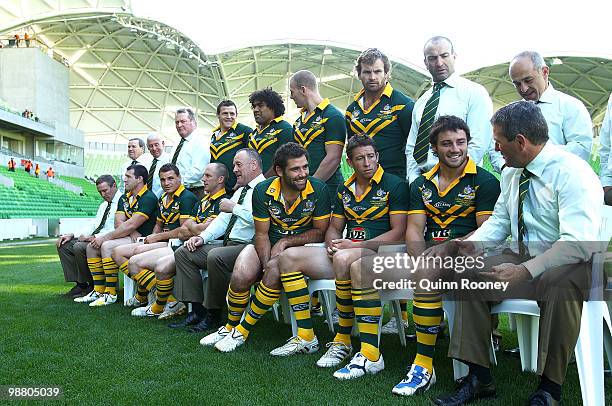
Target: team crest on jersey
(379, 198)
(274, 210)
(467, 196)
(356, 113)
(308, 205)
(346, 198)
(426, 195)
(385, 113)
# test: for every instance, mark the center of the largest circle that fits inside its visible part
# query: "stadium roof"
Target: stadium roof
(129, 73)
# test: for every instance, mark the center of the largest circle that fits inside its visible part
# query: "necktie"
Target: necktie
(178, 151)
(523, 189)
(151, 174)
(233, 219)
(134, 162)
(421, 147)
(104, 217)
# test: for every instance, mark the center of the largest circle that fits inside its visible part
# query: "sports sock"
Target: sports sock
(368, 311)
(261, 303)
(344, 304)
(97, 273)
(145, 279)
(110, 273)
(236, 304)
(296, 289)
(164, 293)
(314, 301)
(124, 268)
(427, 314)
(404, 309)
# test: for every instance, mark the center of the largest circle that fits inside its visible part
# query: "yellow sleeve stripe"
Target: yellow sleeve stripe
(334, 142)
(325, 217)
(184, 216)
(399, 212)
(417, 212)
(261, 219)
(340, 216)
(142, 214)
(484, 213)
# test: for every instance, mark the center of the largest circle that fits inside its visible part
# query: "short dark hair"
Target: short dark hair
(170, 167)
(448, 123)
(108, 179)
(226, 103)
(522, 117)
(141, 143)
(254, 155)
(287, 151)
(360, 140)
(272, 99)
(140, 171)
(189, 112)
(371, 55)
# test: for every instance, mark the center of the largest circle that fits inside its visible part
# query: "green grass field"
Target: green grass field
(104, 356)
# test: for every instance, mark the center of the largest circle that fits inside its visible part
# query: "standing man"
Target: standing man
(235, 225)
(191, 154)
(379, 111)
(72, 251)
(291, 209)
(569, 122)
(549, 203)
(320, 129)
(228, 138)
(450, 95)
(11, 165)
(272, 131)
(605, 166)
(136, 156)
(159, 157)
(37, 170)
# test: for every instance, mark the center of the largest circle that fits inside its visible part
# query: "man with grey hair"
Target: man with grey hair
(191, 154)
(156, 146)
(450, 94)
(320, 129)
(569, 122)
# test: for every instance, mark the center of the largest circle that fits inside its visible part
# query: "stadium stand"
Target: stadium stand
(97, 164)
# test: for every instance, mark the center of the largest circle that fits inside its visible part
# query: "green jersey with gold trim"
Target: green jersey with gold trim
(144, 203)
(451, 213)
(208, 207)
(175, 207)
(324, 126)
(387, 121)
(267, 140)
(269, 206)
(223, 147)
(368, 215)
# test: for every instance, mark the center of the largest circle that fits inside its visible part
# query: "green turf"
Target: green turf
(104, 356)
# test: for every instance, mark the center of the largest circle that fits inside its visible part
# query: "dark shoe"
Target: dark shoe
(469, 389)
(541, 398)
(191, 320)
(210, 322)
(84, 292)
(76, 291)
(515, 352)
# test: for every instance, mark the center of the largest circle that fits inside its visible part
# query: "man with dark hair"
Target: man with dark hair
(159, 157)
(290, 209)
(320, 129)
(229, 137)
(450, 95)
(379, 111)
(72, 250)
(137, 155)
(272, 131)
(190, 154)
(549, 204)
(372, 206)
(135, 217)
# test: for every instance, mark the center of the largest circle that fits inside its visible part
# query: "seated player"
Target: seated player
(290, 209)
(135, 217)
(160, 261)
(372, 205)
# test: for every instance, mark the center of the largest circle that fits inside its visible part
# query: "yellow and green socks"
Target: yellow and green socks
(97, 274)
(110, 273)
(236, 305)
(146, 280)
(261, 303)
(344, 304)
(298, 296)
(368, 311)
(427, 314)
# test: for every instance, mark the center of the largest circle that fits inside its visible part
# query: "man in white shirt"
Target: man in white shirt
(192, 153)
(450, 95)
(72, 249)
(569, 122)
(159, 157)
(236, 225)
(137, 155)
(549, 205)
(605, 166)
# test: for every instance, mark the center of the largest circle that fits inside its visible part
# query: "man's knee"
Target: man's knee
(288, 259)
(342, 264)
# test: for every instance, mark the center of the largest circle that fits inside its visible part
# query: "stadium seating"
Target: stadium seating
(97, 164)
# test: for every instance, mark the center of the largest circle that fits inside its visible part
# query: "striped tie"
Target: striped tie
(421, 147)
(523, 189)
(233, 219)
(103, 221)
(151, 174)
(177, 152)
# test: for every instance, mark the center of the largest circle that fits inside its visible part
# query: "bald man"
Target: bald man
(156, 146)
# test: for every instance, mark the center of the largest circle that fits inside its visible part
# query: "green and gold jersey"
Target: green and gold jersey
(208, 207)
(144, 203)
(269, 206)
(451, 213)
(223, 147)
(174, 207)
(267, 140)
(368, 215)
(324, 126)
(387, 122)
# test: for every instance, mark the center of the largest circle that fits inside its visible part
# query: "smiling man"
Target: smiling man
(156, 145)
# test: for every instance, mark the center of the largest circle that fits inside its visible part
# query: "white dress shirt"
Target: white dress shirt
(464, 99)
(156, 188)
(605, 165)
(569, 125)
(563, 204)
(192, 159)
(109, 224)
(244, 227)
